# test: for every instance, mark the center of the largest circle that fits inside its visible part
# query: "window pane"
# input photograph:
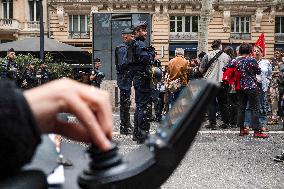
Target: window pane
(237, 25)
(172, 18)
(179, 26)
(179, 17)
(88, 23)
(282, 25)
(277, 24)
(82, 23)
(187, 24)
(70, 23)
(242, 25)
(5, 10)
(232, 24)
(31, 6)
(247, 27)
(75, 23)
(172, 26)
(11, 9)
(195, 24)
(37, 10)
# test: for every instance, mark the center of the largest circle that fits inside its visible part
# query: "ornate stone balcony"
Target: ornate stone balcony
(279, 37)
(9, 24)
(183, 36)
(242, 36)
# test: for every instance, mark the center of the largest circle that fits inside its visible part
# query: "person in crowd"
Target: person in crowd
(42, 75)
(29, 79)
(124, 81)
(96, 76)
(263, 82)
(9, 68)
(156, 92)
(177, 75)
(248, 69)
(212, 68)
(276, 84)
(140, 58)
(25, 116)
(231, 86)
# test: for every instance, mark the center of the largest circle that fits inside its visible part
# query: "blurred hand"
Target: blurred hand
(90, 105)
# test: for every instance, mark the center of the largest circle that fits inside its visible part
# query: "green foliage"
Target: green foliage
(55, 69)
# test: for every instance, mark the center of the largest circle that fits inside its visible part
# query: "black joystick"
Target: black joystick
(103, 160)
(150, 165)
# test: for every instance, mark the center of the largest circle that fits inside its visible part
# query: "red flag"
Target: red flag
(261, 43)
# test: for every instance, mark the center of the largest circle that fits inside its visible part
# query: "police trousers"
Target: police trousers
(124, 82)
(143, 100)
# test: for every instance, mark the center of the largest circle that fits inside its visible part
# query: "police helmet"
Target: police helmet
(155, 73)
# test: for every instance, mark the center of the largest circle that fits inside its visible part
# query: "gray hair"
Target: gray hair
(179, 51)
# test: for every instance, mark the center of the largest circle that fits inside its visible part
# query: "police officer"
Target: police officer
(96, 76)
(124, 80)
(9, 68)
(139, 60)
(29, 79)
(42, 75)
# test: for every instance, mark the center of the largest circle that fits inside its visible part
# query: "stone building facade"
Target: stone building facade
(20, 19)
(174, 22)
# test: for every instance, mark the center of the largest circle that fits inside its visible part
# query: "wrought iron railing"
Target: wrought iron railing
(243, 36)
(79, 35)
(279, 37)
(184, 36)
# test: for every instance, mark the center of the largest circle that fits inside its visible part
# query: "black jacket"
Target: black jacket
(19, 135)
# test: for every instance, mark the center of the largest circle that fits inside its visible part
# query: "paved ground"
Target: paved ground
(217, 159)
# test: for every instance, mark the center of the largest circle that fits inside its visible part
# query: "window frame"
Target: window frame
(80, 17)
(281, 18)
(183, 18)
(236, 26)
(7, 10)
(35, 11)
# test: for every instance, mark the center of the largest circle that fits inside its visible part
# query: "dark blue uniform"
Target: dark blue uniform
(142, 58)
(124, 82)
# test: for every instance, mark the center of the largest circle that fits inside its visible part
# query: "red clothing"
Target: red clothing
(232, 76)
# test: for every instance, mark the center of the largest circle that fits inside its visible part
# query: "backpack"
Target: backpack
(121, 57)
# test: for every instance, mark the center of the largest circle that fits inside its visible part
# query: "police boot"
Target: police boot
(126, 129)
(140, 135)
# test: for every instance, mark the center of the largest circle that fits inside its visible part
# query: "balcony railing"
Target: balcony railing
(9, 24)
(184, 36)
(242, 36)
(279, 37)
(79, 35)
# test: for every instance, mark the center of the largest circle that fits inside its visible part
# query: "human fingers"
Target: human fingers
(73, 131)
(88, 120)
(99, 102)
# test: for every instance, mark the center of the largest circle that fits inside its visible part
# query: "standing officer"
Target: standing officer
(124, 81)
(97, 76)
(139, 60)
(29, 79)
(42, 75)
(9, 68)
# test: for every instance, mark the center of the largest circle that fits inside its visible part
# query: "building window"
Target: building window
(279, 24)
(183, 24)
(240, 24)
(7, 9)
(79, 26)
(34, 10)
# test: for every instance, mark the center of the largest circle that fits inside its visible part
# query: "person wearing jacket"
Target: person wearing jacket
(248, 69)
